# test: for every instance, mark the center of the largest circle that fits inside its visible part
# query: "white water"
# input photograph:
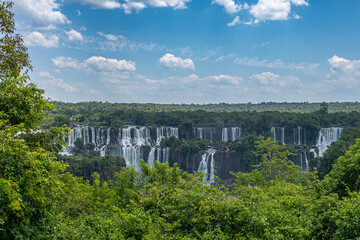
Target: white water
(278, 134)
(207, 166)
(204, 133)
(231, 133)
(128, 143)
(151, 158)
(326, 136)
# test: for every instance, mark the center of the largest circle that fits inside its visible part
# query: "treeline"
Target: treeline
(298, 107)
(256, 123)
(39, 201)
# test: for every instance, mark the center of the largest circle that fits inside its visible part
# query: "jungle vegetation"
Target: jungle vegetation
(38, 200)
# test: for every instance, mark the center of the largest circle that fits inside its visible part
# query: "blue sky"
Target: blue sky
(193, 51)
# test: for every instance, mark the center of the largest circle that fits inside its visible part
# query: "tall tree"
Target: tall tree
(28, 167)
(14, 56)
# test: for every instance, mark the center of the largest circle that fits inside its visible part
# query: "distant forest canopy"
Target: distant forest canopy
(295, 107)
(98, 114)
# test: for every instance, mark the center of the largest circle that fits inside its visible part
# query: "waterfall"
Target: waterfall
(306, 162)
(165, 132)
(151, 158)
(93, 135)
(231, 133)
(128, 142)
(327, 136)
(166, 153)
(276, 132)
(273, 133)
(235, 133)
(108, 136)
(313, 151)
(207, 161)
(225, 135)
(204, 133)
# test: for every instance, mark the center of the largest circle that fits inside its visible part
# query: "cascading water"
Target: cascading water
(231, 133)
(327, 136)
(207, 166)
(299, 136)
(165, 132)
(278, 134)
(225, 135)
(314, 152)
(128, 143)
(306, 162)
(151, 158)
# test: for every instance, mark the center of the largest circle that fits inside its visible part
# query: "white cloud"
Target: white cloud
(74, 35)
(230, 6)
(138, 5)
(39, 39)
(40, 13)
(65, 62)
(109, 37)
(274, 9)
(263, 10)
(120, 42)
(268, 79)
(57, 82)
(176, 63)
(234, 22)
(99, 4)
(344, 74)
(224, 79)
(95, 64)
(341, 66)
(108, 64)
(305, 67)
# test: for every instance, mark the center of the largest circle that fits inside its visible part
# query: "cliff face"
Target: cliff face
(225, 161)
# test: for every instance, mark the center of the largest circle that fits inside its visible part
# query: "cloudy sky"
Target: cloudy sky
(193, 51)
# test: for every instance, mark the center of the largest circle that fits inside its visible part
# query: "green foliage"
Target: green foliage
(31, 175)
(14, 57)
(324, 164)
(85, 166)
(345, 175)
(274, 165)
(22, 102)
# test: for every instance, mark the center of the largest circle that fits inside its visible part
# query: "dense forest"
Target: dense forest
(40, 198)
(304, 107)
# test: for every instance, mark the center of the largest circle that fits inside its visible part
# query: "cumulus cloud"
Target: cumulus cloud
(176, 63)
(41, 13)
(263, 10)
(342, 66)
(269, 78)
(107, 64)
(74, 35)
(230, 6)
(137, 5)
(39, 39)
(274, 9)
(95, 64)
(57, 82)
(99, 4)
(224, 79)
(344, 74)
